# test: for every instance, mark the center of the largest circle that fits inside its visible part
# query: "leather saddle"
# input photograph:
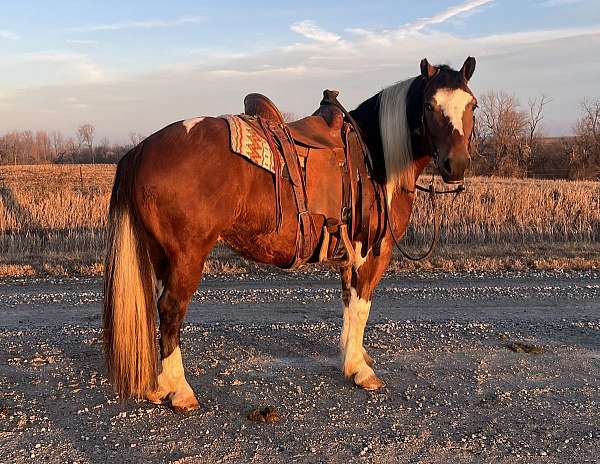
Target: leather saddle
(323, 129)
(319, 153)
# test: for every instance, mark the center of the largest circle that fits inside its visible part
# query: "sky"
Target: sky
(127, 66)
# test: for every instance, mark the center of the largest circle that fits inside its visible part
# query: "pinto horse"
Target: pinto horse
(183, 189)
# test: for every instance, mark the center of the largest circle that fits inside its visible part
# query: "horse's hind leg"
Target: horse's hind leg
(183, 276)
(358, 283)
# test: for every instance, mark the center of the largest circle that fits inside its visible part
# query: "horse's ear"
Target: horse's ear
(427, 71)
(468, 68)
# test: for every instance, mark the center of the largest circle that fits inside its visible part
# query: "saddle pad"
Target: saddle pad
(248, 142)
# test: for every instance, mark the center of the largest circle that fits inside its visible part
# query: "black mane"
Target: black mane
(367, 117)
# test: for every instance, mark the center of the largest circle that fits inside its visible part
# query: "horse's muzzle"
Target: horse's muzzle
(453, 167)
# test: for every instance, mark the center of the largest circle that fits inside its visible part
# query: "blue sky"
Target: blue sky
(132, 66)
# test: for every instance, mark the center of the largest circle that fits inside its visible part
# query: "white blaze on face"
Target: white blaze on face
(453, 103)
(190, 123)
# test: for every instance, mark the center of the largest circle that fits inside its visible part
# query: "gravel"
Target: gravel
(454, 390)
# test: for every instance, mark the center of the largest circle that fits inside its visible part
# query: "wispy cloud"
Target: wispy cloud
(532, 37)
(444, 16)
(310, 30)
(553, 3)
(10, 35)
(146, 24)
(359, 62)
(83, 42)
(75, 66)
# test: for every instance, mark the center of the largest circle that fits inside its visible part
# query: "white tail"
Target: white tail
(129, 316)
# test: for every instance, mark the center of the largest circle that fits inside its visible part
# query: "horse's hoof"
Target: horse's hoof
(370, 383)
(184, 409)
(368, 359)
(185, 403)
(155, 397)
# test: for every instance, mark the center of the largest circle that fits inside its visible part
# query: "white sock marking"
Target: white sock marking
(355, 320)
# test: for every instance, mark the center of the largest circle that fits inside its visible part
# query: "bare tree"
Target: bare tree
(104, 148)
(501, 127)
(85, 136)
(536, 116)
(57, 142)
(135, 138)
(288, 116)
(585, 154)
(507, 137)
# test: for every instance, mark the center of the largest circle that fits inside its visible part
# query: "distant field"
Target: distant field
(53, 218)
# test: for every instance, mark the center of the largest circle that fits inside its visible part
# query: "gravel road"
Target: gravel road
(454, 391)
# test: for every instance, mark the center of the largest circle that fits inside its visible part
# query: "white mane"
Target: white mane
(395, 137)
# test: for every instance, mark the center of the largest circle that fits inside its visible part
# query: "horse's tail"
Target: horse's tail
(129, 316)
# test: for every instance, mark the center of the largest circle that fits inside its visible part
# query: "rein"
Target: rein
(436, 219)
(430, 190)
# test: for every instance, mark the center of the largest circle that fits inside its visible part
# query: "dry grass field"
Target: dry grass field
(53, 218)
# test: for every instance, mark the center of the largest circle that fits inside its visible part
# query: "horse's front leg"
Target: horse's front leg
(359, 281)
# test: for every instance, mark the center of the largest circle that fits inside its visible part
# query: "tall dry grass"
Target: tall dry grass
(52, 215)
(514, 211)
(53, 219)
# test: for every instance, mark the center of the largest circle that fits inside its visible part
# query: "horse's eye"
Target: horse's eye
(475, 106)
(428, 106)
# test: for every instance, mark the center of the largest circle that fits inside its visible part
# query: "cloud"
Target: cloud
(68, 65)
(444, 16)
(532, 37)
(554, 3)
(9, 35)
(310, 30)
(293, 75)
(146, 24)
(83, 42)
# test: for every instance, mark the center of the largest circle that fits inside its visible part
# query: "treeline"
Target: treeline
(508, 141)
(41, 147)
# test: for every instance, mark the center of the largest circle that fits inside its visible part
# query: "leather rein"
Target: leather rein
(430, 190)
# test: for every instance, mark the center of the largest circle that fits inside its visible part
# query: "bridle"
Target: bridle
(381, 193)
(431, 188)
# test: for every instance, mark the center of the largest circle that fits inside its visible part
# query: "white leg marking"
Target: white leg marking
(453, 103)
(190, 123)
(355, 320)
(358, 259)
(172, 383)
(172, 367)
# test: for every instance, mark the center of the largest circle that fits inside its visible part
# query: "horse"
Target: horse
(182, 190)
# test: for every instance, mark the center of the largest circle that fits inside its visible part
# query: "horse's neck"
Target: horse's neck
(366, 116)
(402, 200)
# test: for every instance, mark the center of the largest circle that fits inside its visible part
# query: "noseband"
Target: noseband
(435, 152)
(431, 189)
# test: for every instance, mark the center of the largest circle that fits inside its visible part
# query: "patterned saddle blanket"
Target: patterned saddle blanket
(246, 141)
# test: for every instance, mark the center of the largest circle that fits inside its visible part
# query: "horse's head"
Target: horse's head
(448, 121)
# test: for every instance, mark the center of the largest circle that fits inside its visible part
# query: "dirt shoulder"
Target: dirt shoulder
(447, 258)
(454, 391)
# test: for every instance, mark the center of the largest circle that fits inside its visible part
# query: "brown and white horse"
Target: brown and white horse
(182, 189)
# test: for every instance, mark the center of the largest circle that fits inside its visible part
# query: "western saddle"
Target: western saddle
(325, 162)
